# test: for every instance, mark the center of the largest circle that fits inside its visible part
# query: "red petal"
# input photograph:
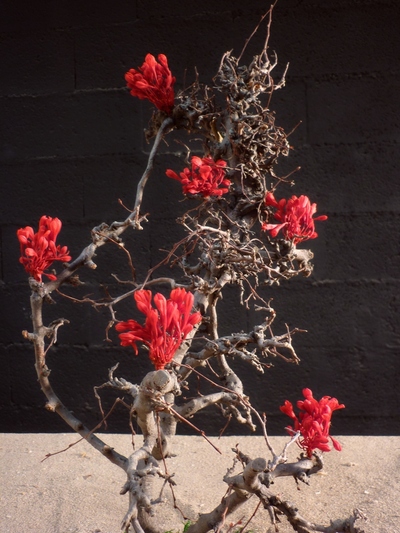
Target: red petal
(336, 444)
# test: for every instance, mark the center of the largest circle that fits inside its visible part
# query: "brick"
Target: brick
(63, 15)
(78, 124)
(105, 53)
(163, 197)
(334, 39)
(324, 378)
(289, 106)
(5, 391)
(41, 187)
(353, 111)
(83, 189)
(70, 365)
(237, 10)
(353, 247)
(85, 368)
(343, 178)
(336, 315)
(15, 299)
(42, 65)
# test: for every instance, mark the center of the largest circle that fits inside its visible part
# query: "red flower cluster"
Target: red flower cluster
(314, 422)
(295, 218)
(153, 81)
(205, 177)
(39, 250)
(165, 327)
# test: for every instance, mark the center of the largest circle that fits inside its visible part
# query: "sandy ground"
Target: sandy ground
(77, 491)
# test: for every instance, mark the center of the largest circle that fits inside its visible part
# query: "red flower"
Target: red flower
(295, 218)
(153, 81)
(205, 177)
(314, 422)
(39, 250)
(165, 327)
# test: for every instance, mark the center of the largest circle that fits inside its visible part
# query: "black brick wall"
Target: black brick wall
(72, 143)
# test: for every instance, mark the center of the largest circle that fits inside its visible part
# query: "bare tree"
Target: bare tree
(235, 233)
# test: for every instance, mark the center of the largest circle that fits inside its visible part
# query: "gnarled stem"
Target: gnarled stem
(53, 402)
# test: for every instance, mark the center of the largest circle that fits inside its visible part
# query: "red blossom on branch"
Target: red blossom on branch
(153, 81)
(295, 218)
(205, 177)
(39, 250)
(166, 326)
(314, 422)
